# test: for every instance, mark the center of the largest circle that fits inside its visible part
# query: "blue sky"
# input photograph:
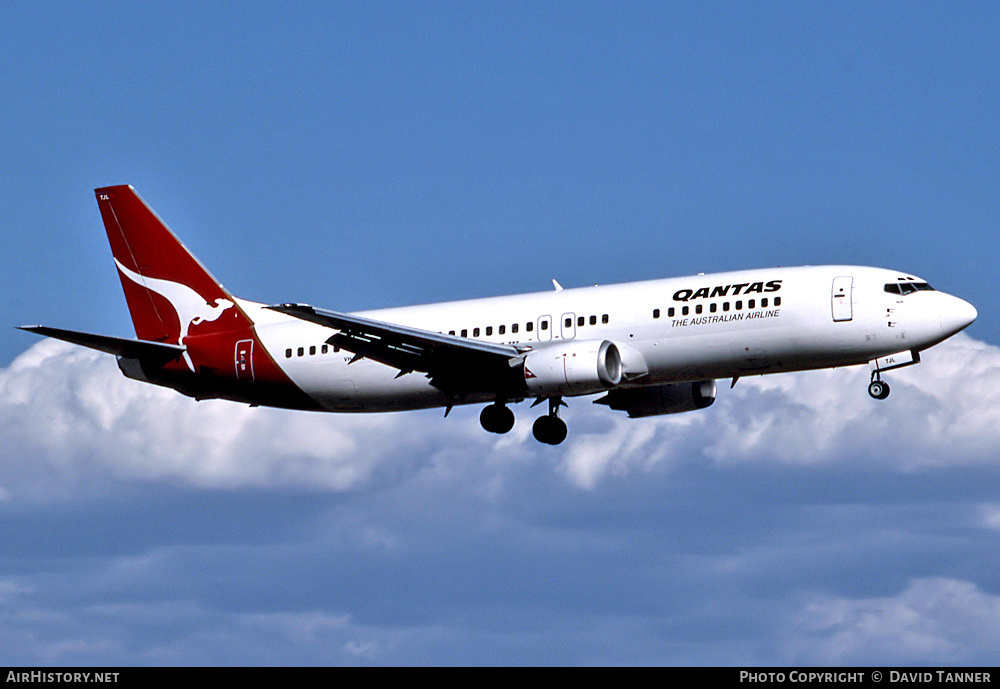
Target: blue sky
(365, 155)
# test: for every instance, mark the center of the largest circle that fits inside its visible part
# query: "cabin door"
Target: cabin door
(244, 361)
(842, 297)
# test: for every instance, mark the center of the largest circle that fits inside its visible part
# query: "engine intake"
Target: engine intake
(573, 368)
(672, 398)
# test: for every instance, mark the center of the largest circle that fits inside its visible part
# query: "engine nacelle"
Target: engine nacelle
(573, 368)
(672, 398)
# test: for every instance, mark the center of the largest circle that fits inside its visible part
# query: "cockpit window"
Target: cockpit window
(907, 287)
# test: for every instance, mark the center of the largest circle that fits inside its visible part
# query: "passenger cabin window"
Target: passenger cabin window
(489, 329)
(501, 330)
(513, 328)
(670, 312)
(544, 326)
(301, 351)
(475, 332)
(656, 313)
(684, 310)
(569, 323)
(604, 319)
(581, 320)
(529, 326)
(465, 332)
(713, 307)
(593, 320)
(312, 350)
(777, 301)
(288, 353)
(697, 308)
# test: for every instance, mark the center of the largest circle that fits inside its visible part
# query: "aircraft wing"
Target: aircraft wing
(454, 364)
(146, 350)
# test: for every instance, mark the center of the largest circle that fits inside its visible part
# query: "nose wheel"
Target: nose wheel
(550, 429)
(877, 388)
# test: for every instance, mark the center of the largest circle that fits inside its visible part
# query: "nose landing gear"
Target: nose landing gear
(550, 429)
(878, 389)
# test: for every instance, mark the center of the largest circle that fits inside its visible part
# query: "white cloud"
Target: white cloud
(72, 423)
(938, 620)
(989, 516)
(9, 588)
(34, 631)
(943, 411)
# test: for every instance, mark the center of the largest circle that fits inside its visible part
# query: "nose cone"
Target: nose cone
(957, 315)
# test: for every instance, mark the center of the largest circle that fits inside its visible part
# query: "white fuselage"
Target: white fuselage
(721, 325)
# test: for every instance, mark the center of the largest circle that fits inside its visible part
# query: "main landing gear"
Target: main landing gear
(878, 389)
(497, 418)
(550, 429)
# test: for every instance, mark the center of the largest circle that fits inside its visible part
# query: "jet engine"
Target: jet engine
(672, 398)
(573, 368)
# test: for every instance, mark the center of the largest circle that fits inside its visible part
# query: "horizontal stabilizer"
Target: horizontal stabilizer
(153, 352)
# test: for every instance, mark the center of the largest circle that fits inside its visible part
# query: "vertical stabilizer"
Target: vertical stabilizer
(170, 294)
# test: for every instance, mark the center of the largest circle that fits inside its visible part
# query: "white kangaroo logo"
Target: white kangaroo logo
(191, 307)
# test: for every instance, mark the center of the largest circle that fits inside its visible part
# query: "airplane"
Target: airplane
(650, 348)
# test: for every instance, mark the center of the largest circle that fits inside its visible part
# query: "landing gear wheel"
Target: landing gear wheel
(496, 418)
(878, 390)
(550, 430)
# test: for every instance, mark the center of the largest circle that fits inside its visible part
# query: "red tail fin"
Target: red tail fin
(173, 299)
(169, 292)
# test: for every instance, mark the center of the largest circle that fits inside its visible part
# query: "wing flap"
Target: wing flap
(395, 355)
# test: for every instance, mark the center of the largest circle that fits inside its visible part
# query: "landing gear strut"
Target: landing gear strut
(550, 429)
(497, 418)
(878, 389)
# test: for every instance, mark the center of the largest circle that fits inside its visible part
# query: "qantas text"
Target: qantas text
(723, 290)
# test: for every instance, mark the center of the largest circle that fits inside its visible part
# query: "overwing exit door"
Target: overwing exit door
(568, 326)
(544, 333)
